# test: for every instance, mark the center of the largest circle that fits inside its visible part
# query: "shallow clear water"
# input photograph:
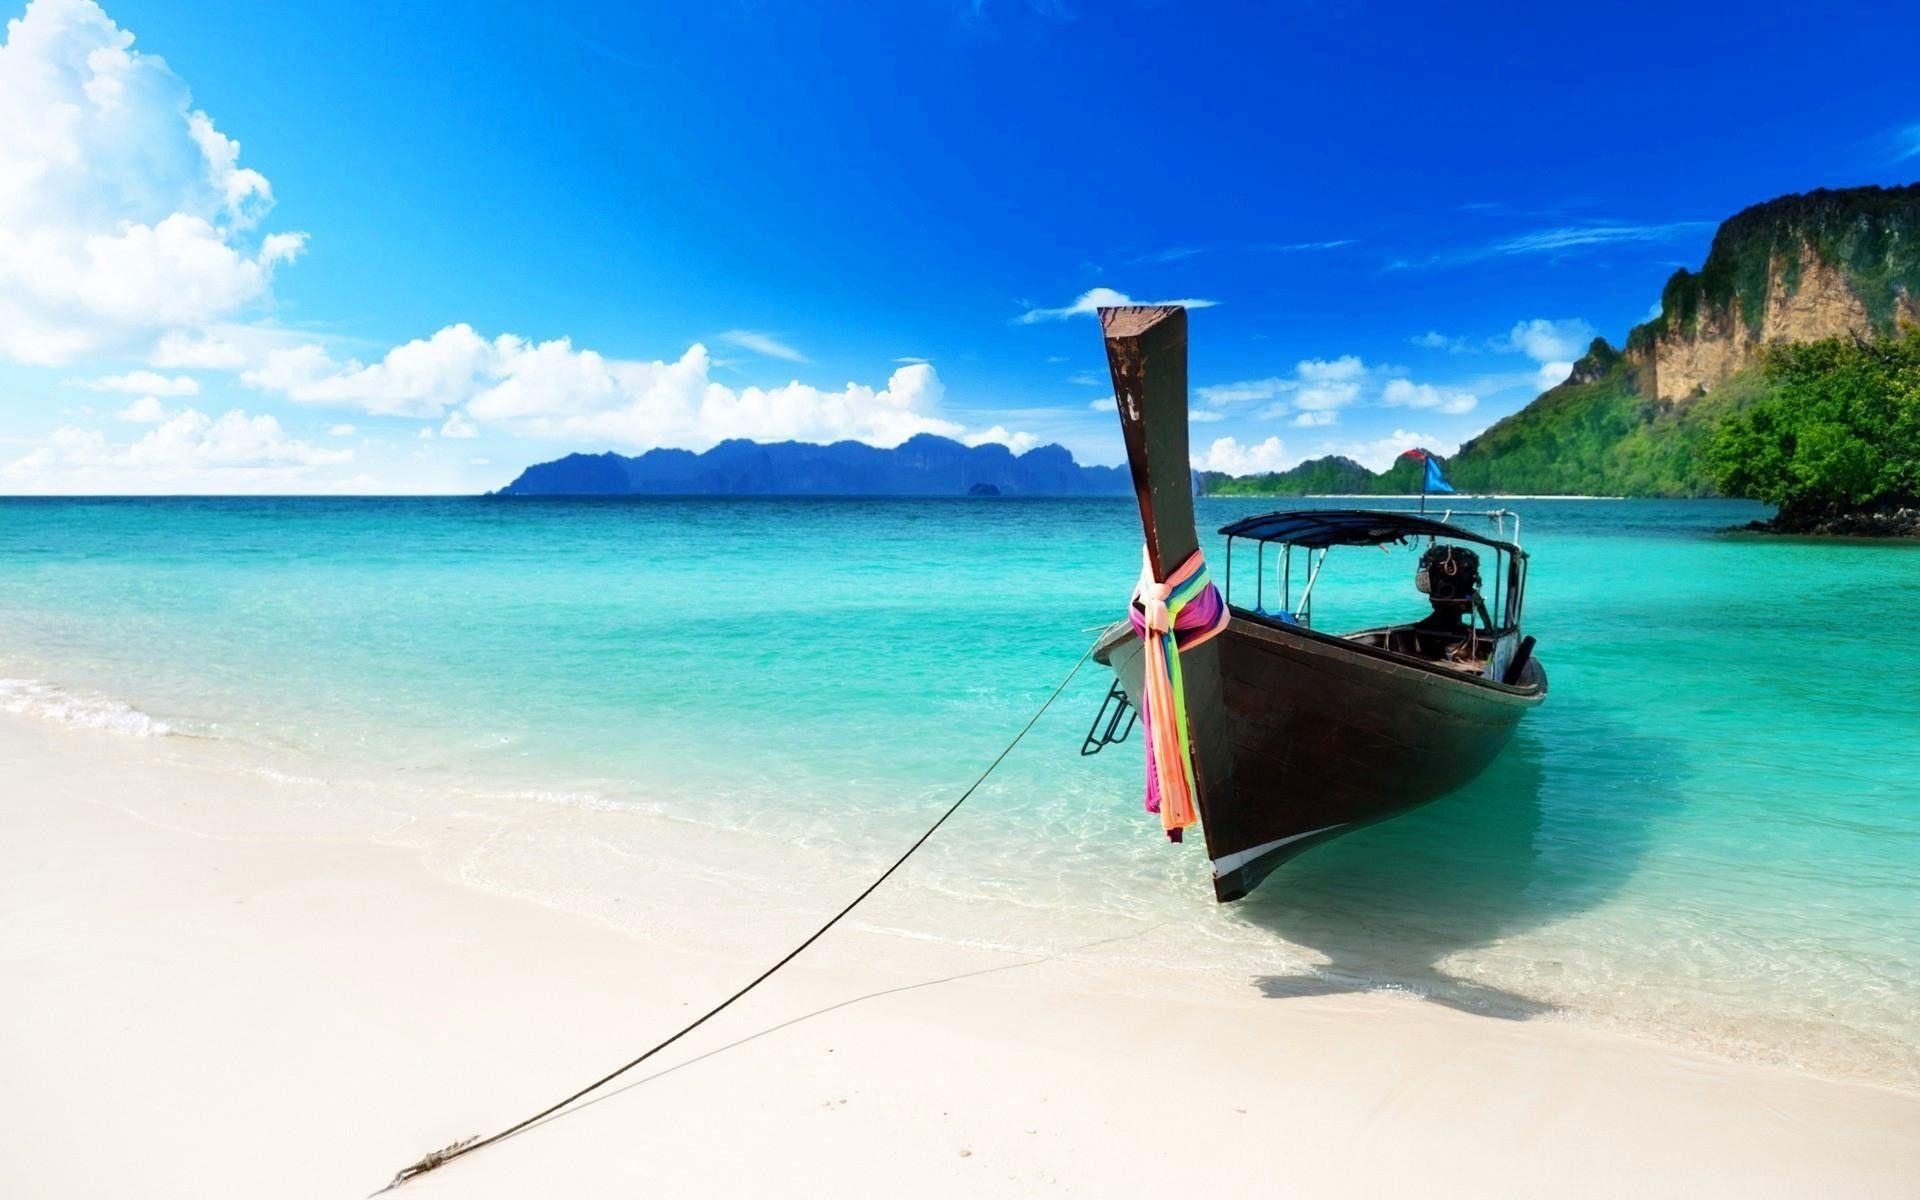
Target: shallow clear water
(1708, 832)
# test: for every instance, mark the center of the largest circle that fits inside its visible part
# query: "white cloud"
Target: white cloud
(198, 351)
(762, 343)
(1597, 233)
(1172, 254)
(1199, 415)
(1095, 299)
(147, 410)
(188, 451)
(1906, 143)
(123, 212)
(141, 383)
(1378, 454)
(1295, 247)
(552, 390)
(458, 426)
(421, 378)
(1313, 419)
(1547, 341)
(1228, 455)
(908, 360)
(1327, 383)
(1433, 339)
(1316, 384)
(1404, 393)
(1019, 443)
(1552, 374)
(1244, 391)
(340, 430)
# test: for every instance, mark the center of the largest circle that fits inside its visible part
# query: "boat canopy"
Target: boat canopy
(1317, 529)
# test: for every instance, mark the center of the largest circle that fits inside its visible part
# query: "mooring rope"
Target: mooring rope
(460, 1149)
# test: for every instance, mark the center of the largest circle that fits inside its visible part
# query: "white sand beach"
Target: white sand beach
(211, 991)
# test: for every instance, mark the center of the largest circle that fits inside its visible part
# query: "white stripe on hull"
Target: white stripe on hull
(1240, 858)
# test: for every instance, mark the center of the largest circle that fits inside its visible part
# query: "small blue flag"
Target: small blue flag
(1435, 481)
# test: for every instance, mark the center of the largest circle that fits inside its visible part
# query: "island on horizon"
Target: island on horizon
(1786, 369)
(923, 465)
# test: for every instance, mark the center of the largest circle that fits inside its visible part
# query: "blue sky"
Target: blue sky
(412, 248)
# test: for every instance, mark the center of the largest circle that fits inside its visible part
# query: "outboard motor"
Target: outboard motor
(1450, 578)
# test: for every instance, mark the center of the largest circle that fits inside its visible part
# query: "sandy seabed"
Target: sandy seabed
(212, 991)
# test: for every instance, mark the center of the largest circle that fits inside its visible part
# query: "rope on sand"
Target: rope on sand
(460, 1149)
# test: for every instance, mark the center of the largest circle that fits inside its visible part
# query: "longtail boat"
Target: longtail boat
(1293, 735)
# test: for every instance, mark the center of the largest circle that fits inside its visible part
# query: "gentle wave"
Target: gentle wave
(35, 698)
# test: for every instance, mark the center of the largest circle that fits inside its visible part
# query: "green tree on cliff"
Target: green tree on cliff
(1839, 431)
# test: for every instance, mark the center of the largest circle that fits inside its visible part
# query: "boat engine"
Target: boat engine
(1449, 576)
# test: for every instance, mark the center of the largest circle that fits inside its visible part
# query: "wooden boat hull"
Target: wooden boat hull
(1297, 736)
(1325, 736)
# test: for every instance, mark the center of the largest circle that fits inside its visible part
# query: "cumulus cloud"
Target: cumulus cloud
(124, 213)
(1377, 454)
(147, 410)
(1229, 456)
(1097, 298)
(458, 426)
(1552, 374)
(1019, 443)
(1404, 393)
(141, 383)
(186, 451)
(421, 378)
(554, 390)
(1547, 341)
(1316, 385)
(1244, 391)
(198, 351)
(762, 343)
(1433, 339)
(1313, 420)
(1329, 383)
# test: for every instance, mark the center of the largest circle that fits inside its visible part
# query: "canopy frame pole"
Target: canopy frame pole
(1304, 614)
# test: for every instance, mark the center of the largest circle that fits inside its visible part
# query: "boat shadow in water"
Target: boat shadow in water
(1527, 844)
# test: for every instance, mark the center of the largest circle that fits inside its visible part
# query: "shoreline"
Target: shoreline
(292, 998)
(1881, 524)
(639, 864)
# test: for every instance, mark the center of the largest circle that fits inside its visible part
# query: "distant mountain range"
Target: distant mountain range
(1629, 421)
(924, 465)
(1803, 268)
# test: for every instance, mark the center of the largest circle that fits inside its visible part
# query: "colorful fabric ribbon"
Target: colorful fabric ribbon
(1170, 617)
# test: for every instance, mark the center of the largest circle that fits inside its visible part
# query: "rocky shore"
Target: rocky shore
(1902, 521)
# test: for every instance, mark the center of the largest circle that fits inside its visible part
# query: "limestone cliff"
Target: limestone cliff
(1796, 269)
(1804, 268)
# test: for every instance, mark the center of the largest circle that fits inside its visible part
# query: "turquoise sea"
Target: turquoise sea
(1709, 834)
